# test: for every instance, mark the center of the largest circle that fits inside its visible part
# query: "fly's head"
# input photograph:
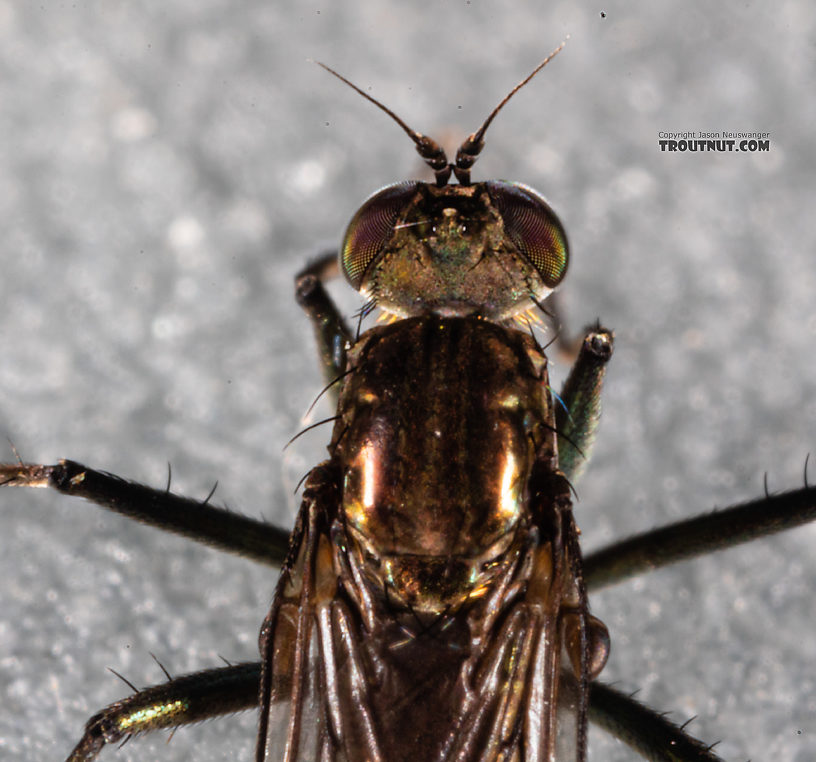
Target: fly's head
(492, 249)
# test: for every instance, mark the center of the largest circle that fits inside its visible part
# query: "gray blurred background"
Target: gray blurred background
(165, 169)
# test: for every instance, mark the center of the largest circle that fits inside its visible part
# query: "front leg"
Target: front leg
(332, 335)
(195, 519)
(579, 411)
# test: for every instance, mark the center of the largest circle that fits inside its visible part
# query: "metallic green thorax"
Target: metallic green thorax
(438, 431)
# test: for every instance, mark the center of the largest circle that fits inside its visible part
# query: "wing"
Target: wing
(292, 724)
(315, 688)
(531, 677)
(346, 679)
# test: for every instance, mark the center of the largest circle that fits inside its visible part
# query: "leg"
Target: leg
(698, 536)
(197, 520)
(182, 700)
(333, 337)
(576, 419)
(649, 733)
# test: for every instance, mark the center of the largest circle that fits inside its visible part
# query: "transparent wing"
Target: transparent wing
(293, 722)
(346, 680)
(528, 702)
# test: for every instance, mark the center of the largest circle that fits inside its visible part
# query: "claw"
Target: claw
(25, 475)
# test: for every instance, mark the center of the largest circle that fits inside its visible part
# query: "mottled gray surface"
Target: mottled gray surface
(165, 168)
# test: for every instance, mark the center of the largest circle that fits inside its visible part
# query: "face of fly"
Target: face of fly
(492, 249)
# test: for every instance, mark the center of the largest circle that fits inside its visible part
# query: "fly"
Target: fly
(432, 603)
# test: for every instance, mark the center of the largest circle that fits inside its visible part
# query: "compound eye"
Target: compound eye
(532, 226)
(371, 229)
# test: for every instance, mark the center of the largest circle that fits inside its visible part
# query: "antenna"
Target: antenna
(431, 152)
(469, 150)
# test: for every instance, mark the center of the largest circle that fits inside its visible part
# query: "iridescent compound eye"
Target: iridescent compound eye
(533, 227)
(371, 229)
